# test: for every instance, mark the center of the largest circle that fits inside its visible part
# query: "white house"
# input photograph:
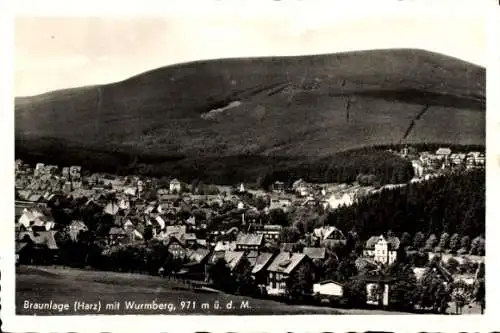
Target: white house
(301, 187)
(381, 249)
(328, 288)
(175, 186)
(335, 200)
(418, 168)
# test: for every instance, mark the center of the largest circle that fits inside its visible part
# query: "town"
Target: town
(278, 242)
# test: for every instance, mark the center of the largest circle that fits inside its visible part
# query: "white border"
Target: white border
(12, 323)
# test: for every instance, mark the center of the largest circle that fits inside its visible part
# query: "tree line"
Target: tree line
(454, 205)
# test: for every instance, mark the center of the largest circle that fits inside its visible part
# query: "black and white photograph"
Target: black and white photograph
(233, 165)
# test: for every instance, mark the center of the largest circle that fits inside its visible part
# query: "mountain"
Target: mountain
(293, 108)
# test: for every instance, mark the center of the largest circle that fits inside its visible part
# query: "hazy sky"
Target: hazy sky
(54, 53)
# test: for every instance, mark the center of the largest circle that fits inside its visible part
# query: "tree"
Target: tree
(405, 240)
(444, 241)
(355, 293)
(245, 284)
(289, 235)
(301, 281)
(480, 293)
(431, 291)
(454, 243)
(402, 292)
(452, 265)
(278, 216)
(459, 296)
(465, 243)
(346, 269)
(431, 242)
(418, 240)
(474, 246)
(220, 274)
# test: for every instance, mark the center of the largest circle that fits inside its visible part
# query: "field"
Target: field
(276, 110)
(62, 285)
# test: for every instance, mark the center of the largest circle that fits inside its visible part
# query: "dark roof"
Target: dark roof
(286, 262)
(261, 261)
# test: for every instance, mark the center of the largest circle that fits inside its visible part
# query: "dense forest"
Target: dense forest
(260, 170)
(452, 204)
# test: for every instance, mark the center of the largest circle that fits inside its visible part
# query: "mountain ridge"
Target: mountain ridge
(293, 106)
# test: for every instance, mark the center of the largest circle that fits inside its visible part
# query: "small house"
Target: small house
(248, 242)
(175, 186)
(329, 288)
(381, 249)
(281, 268)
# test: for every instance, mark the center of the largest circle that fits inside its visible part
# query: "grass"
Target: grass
(291, 107)
(64, 285)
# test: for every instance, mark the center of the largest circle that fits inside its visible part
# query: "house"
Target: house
(475, 158)
(75, 228)
(278, 187)
(177, 231)
(337, 200)
(75, 171)
(443, 153)
(259, 268)
(315, 253)
(418, 168)
(223, 246)
(270, 231)
(249, 242)
(457, 158)
(381, 249)
(232, 259)
(330, 233)
(301, 187)
(328, 288)
(112, 208)
(242, 188)
(280, 203)
(175, 186)
(281, 268)
(196, 262)
(116, 235)
(189, 239)
(176, 248)
(37, 247)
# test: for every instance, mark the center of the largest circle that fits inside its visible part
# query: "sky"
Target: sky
(62, 52)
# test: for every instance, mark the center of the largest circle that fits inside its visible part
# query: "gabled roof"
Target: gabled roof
(286, 262)
(315, 252)
(272, 227)
(443, 151)
(117, 231)
(327, 231)
(250, 239)
(197, 255)
(175, 230)
(262, 260)
(224, 246)
(393, 242)
(232, 258)
(330, 281)
(41, 238)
